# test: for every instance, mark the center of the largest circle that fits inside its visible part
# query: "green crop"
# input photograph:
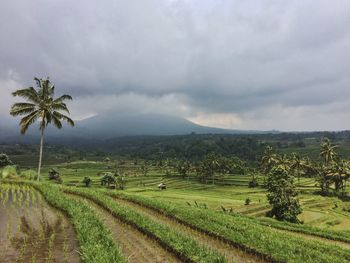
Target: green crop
(95, 240)
(184, 247)
(246, 233)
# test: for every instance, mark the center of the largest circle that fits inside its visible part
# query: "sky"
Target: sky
(249, 64)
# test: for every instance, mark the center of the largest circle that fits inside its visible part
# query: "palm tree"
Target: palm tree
(298, 165)
(328, 151)
(41, 106)
(269, 159)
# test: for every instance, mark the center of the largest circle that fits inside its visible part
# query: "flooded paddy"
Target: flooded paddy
(31, 230)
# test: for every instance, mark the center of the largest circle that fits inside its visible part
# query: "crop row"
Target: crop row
(246, 234)
(324, 233)
(187, 249)
(95, 241)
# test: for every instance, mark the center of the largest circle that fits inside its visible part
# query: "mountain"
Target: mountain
(109, 126)
(145, 124)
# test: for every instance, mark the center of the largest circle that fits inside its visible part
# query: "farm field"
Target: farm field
(31, 230)
(318, 211)
(188, 222)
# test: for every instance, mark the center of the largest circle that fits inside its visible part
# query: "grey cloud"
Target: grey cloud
(239, 57)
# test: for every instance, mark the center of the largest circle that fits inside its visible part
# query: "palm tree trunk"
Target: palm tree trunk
(41, 152)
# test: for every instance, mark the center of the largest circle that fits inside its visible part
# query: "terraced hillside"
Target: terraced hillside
(119, 226)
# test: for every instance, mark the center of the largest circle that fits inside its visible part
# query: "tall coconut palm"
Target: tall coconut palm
(40, 105)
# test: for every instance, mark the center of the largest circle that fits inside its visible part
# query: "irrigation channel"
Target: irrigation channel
(135, 246)
(32, 231)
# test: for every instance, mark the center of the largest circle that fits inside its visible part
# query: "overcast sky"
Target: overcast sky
(234, 64)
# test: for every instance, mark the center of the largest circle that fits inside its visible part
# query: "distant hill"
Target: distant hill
(117, 125)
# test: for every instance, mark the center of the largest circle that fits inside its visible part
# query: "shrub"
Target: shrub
(54, 175)
(29, 174)
(8, 172)
(108, 179)
(4, 160)
(253, 183)
(87, 181)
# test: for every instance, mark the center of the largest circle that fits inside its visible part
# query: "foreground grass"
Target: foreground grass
(184, 247)
(247, 233)
(95, 241)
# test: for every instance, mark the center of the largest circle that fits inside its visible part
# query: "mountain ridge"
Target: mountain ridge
(108, 126)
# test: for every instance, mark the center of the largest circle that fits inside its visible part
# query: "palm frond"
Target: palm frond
(60, 106)
(61, 116)
(21, 110)
(28, 120)
(56, 121)
(63, 98)
(28, 93)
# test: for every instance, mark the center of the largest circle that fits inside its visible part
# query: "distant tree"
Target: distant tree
(121, 182)
(144, 169)
(183, 167)
(328, 152)
(282, 195)
(336, 174)
(269, 160)
(87, 181)
(207, 167)
(253, 181)
(4, 160)
(54, 175)
(108, 179)
(332, 169)
(41, 106)
(298, 165)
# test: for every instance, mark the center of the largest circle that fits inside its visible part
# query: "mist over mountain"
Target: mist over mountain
(107, 126)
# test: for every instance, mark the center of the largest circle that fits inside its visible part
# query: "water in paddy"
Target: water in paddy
(31, 230)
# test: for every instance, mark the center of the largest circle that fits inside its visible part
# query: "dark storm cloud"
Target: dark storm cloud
(250, 63)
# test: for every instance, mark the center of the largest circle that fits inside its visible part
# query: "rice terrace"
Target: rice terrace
(170, 131)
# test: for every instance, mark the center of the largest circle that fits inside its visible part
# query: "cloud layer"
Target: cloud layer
(233, 64)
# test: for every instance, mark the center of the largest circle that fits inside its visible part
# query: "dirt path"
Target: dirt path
(232, 253)
(136, 246)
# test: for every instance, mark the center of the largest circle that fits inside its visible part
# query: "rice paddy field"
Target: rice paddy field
(188, 222)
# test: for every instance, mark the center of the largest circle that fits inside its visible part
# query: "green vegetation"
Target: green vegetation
(185, 247)
(282, 194)
(246, 234)
(95, 241)
(4, 160)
